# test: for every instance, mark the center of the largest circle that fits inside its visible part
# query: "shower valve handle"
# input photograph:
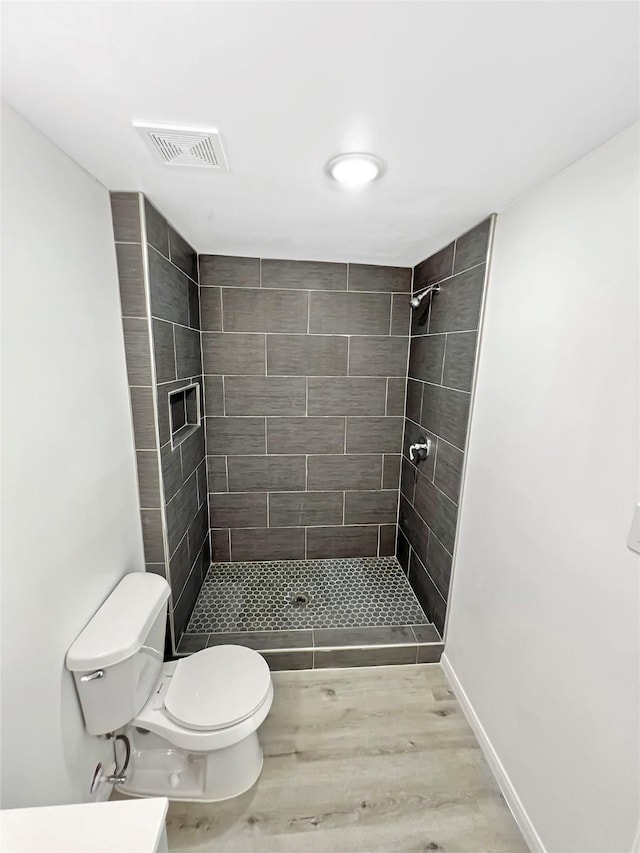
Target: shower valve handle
(419, 451)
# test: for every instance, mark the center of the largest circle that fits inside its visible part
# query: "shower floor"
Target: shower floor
(301, 610)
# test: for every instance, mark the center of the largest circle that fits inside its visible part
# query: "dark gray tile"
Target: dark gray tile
(431, 601)
(220, 552)
(217, 473)
(437, 511)
(346, 396)
(305, 509)
(396, 389)
(213, 395)
(430, 653)
(201, 478)
(307, 355)
(356, 541)
(266, 473)
(179, 568)
(188, 358)
(192, 452)
(152, 535)
(210, 309)
(136, 347)
(374, 435)
(168, 289)
(385, 279)
(472, 247)
(459, 360)
(400, 314)
(305, 435)
(264, 310)
(131, 279)
(448, 470)
(426, 633)
(264, 640)
(157, 228)
(391, 471)
(148, 478)
(414, 434)
(304, 275)
(125, 213)
(265, 395)
(387, 540)
(425, 497)
(283, 661)
(233, 355)
(143, 415)
(381, 656)
(402, 551)
(225, 270)
(238, 510)
(413, 528)
(446, 412)
(184, 605)
(275, 543)
(355, 471)
(395, 635)
(378, 356)
(438, 564)
(180, 511)
(408, 480)
(414, 399)
(349, 313)
(164, 351)
(374, 507)
(235, 435)
(426, 357)
(434, 268)
(182, 254)
(194, 305)
(192, 643)
(456, 307)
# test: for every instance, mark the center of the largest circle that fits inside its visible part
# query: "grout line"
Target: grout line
(444, 355)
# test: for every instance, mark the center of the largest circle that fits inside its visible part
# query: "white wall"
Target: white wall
(70, 519)
(543, 634)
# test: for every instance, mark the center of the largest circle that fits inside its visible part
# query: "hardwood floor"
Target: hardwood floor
(377, 759)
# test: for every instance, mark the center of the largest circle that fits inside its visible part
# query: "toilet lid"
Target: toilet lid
(217, 687)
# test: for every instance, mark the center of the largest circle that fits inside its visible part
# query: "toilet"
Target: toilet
(192, 724)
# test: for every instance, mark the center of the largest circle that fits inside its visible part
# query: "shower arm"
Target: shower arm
(419, 295)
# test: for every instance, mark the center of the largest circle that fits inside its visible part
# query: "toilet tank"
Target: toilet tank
(116, 660)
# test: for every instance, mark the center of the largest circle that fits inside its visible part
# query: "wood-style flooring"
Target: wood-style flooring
(376, 759)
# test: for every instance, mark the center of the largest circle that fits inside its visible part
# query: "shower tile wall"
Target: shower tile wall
(163, 354)
(304, 371)
(440, 375)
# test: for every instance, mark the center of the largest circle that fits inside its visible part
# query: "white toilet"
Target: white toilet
(192, 723)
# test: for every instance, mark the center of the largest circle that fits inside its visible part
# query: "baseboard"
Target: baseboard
(504, 782)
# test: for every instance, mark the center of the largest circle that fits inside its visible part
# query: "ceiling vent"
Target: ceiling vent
(184, 146)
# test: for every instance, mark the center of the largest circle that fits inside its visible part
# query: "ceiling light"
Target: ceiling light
(354, 170)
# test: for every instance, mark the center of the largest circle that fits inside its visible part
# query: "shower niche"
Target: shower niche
(184, 413)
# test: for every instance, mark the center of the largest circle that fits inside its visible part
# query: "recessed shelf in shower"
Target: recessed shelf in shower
(184, 412)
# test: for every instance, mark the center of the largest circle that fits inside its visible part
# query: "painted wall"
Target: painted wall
(543, 629)
(70, 521)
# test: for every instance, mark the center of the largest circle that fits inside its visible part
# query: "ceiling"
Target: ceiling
(469, 104)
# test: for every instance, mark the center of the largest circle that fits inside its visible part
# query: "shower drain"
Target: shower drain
(300, 599)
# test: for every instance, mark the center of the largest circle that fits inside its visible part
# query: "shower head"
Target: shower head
(417, 298)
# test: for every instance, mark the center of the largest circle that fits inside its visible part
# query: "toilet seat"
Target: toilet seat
(217, 688)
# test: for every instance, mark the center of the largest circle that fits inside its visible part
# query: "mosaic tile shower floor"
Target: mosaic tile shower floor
(355, 592)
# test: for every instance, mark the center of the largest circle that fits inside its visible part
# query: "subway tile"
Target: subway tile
(472, 247)
(438, 564)
(385, 279)
(164, 351)
(457, 306)
(192, 452)
(391, 471)
(148, 478)
(448, 470)
(425, 497)
(265, 310)
(233, 355)
(414, 434)
(179, 568)
(265, 395)
(374, 507)
(414, 399)
(349, 313)
(426, 634)
(431, 601)
(201, 479)
(305, 435)
(446, 412)
(227, 271)
(125, 213)
(430, 653)
(213, 395)
(152, 535)
(374, 435)
(184, 605)
(414, 528)
(143, 415)
(402, 551)
(426, 357)
(182, 254)
(387, 547)
(378, 356)
(304, 275)
(459, 360)
(188, 357)
(394, 635)
(180, 511)
(285, 661)
(381, 656)
(274, 543)
(408, 480)
(131, 279)
(194, 305)
(217, 473)
(211, 309)
(334, 542)
(168, 289)
(305, 509)
(400, 314)
(239, 509)
(307, 355)
(436, 510)
(262, 641)
(157, 228)
(220, 551)
(266, 473)
(396, 389)
(342, 472)
(434, 268)
(191, 643)
(136, 346)
(235, 436)
(346, 396)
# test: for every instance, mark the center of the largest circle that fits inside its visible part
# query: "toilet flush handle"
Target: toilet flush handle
(99, 673)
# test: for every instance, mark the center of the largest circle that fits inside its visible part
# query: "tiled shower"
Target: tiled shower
(274, 402)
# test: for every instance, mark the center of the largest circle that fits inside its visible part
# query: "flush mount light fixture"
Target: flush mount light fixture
(354, 170)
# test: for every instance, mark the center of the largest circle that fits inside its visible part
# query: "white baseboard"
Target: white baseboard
(504, 782)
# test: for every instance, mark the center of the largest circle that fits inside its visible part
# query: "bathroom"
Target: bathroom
(382, 437)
